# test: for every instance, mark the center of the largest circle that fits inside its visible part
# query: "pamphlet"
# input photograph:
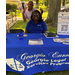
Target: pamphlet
(61, 39)
(35, 42)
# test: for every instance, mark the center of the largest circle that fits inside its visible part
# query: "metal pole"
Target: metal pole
(15, 14)
(12, 16)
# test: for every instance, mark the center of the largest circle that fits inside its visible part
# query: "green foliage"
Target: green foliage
(18, 13)
(41, 2)
(24, 0)
(66, 1)
(44, 15)
(14, 6)
(43, 7)
(10, 6)
(12, 13)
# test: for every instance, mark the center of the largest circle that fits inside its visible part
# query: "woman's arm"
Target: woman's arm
(24, 18)
(26, 31)
(41, 11)
(44, 27)
(27, 27)
(44, 31)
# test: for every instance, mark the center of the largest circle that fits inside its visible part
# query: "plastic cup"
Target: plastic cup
(21, 35)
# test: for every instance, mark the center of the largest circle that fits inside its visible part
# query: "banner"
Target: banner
(27, 63)
(63, 23)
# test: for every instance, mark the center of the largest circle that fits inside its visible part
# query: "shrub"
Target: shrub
(43, 7)
(10, 6)
(14, 6)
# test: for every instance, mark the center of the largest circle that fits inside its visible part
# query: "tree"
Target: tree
(46, 3)
(37, 2)
(54, 8)
(63, 3)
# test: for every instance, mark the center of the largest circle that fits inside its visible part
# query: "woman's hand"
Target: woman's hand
(26, 31)
(41, 11)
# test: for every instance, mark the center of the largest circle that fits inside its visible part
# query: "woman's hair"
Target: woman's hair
(40, 17)
(30, 2)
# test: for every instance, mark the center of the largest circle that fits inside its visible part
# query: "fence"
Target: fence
(10, 19)
(12, 15)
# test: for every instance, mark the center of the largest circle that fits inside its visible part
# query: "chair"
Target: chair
(16, 30)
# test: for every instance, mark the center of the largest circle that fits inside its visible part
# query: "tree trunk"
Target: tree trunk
(37, 2)
(47, 2)
(54, 8)
(63, 4)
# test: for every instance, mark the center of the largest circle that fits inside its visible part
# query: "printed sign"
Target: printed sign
(15, 65)
(63, 23)
(52, 59)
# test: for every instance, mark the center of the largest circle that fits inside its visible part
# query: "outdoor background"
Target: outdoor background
(18, 23)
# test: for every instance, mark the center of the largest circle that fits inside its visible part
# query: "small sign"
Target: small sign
(63, 23)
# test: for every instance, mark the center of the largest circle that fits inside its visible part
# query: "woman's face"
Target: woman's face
(36, 16)
(30, 6)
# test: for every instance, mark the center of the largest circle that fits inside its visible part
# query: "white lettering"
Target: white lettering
(56, 55)
(59, 63)
(25, 56)
(60, 60)
(36, 60)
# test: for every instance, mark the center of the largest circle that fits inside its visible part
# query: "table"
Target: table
(29, 59)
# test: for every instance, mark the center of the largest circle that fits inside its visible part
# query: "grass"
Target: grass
(65, 72)
(12, 73)
(52, 29)
(22, 25)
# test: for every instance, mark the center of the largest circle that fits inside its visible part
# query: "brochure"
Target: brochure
(64, 40)
(35, 42)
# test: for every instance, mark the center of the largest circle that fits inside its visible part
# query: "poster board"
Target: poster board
(63, 23)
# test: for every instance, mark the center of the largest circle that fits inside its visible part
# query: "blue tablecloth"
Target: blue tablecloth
(29, 59)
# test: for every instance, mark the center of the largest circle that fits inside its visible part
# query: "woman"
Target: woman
(27, 13)
(36, 24)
